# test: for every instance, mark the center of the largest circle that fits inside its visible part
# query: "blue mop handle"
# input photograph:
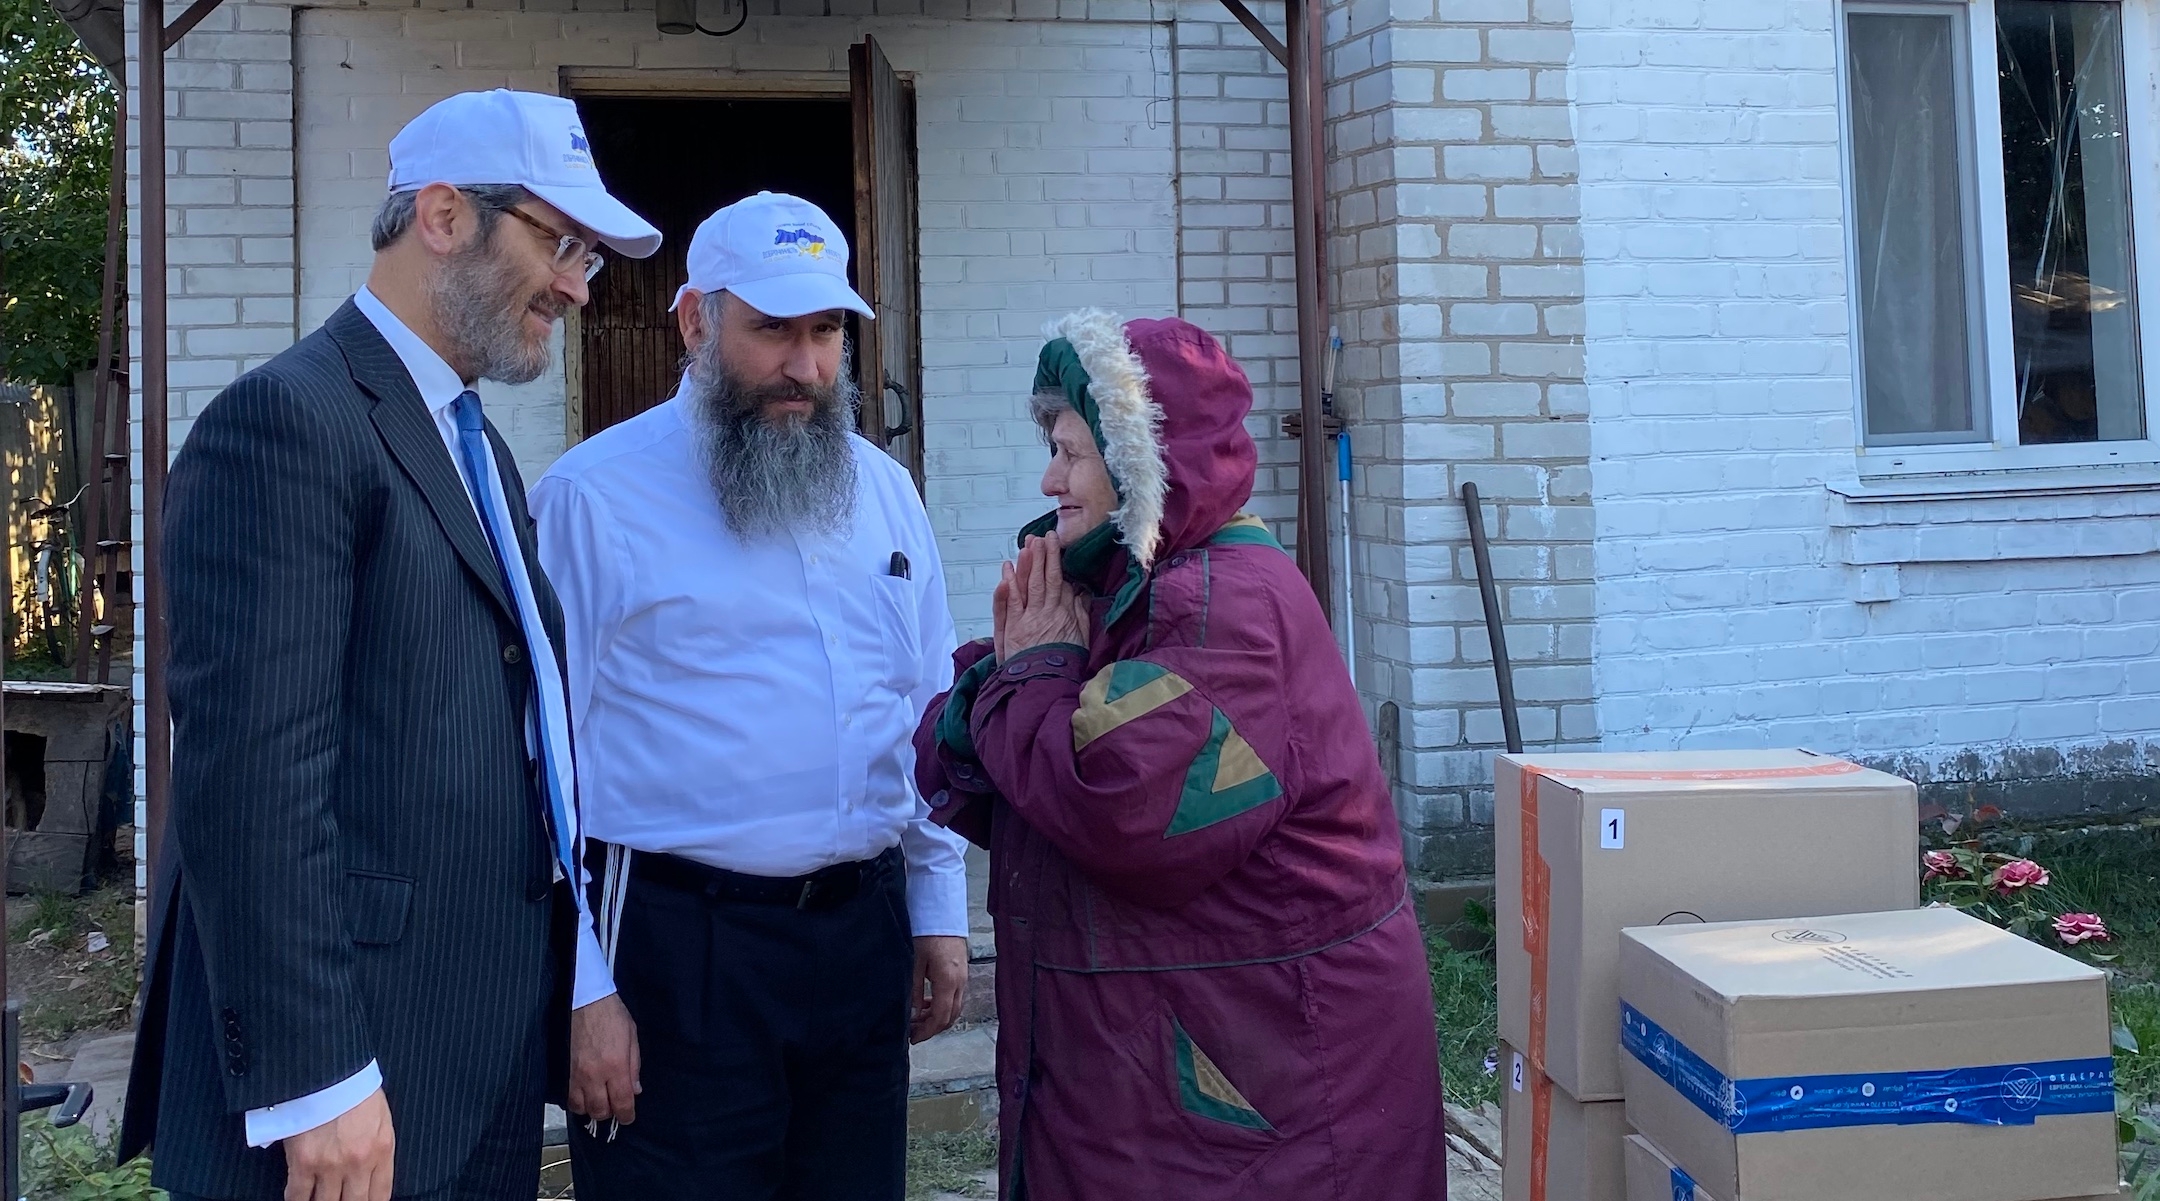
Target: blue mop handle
(1342, 456)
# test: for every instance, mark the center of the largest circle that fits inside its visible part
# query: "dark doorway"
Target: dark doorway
(675, 160)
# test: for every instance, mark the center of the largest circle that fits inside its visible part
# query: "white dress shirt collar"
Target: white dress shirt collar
(438, 382)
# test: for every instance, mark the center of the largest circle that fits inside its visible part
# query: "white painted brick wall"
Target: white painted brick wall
(1237, 276)
(1460, 296)
(1738, 602)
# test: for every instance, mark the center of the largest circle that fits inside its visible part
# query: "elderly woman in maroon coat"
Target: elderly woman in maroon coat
(1210, 979)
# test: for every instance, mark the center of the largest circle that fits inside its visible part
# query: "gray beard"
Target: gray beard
(476, 315)
(773, 478)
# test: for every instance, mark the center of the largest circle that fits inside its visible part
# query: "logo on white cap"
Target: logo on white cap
(536, 142)
(779, 254)
(796, 242)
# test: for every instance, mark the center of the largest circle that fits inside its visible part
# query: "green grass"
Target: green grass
(76, 1164)
(70, 989)
(948, 1162)
(1466, 1009)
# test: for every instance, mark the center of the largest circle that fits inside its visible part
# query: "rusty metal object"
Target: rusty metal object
(1503, 671)
(1315, 462)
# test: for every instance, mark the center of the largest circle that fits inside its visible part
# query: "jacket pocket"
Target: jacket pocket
(377, 907)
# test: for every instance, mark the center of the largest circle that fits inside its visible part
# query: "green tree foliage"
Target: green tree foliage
(56, 130)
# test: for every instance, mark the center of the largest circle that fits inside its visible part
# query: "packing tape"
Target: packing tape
(1537, 911)
(1536, 928)
(2003, 1094)
(1683, 1186)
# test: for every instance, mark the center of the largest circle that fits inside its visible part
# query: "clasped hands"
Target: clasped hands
(1033, 605)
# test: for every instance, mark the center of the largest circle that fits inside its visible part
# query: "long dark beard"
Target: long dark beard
(481, 317)
(784, 475)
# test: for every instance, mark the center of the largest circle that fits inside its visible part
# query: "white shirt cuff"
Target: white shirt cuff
(937, 900)
(274, 1123)
(593, 979)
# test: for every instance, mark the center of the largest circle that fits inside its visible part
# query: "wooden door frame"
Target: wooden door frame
(873, 378)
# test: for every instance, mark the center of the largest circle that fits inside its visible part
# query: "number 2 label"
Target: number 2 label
(1516, 1075)
(1612, 830)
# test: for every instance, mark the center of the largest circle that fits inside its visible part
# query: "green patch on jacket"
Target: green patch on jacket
(1204, 1090)
(1123, 692)
(1226, 778)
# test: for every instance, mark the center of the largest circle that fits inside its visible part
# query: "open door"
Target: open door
(888, 351)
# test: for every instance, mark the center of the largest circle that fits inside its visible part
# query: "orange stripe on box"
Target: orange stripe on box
(1537, 912)
(1828, 767)
(1537, 917)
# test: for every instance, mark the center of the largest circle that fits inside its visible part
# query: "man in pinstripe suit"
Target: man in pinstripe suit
(363, 954)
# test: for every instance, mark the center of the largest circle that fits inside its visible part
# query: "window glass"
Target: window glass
(2066, 181)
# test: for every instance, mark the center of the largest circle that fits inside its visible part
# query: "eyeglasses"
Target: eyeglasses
(570, 250)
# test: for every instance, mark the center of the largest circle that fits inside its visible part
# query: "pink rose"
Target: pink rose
(2020, 873)
(1942, 863)
(2074, 928)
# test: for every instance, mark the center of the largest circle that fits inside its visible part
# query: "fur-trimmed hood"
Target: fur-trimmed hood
(1168, 408)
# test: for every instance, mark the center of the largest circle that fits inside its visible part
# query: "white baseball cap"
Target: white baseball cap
(779, 254)
(522, 138)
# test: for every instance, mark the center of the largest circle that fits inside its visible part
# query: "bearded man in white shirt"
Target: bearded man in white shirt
(755, 616)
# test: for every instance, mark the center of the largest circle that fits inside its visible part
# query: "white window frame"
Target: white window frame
(1999, 451)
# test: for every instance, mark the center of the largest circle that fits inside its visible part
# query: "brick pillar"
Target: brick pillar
(1458, 274)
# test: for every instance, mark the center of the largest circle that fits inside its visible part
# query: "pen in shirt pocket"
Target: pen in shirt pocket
(899, 566)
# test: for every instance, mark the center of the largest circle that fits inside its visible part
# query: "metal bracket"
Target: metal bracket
(1293, 425)
(1268, 40)
(188, 20)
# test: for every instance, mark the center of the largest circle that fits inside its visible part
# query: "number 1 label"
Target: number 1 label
(1612, 830)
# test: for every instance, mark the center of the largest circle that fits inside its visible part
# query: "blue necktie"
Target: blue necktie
(549, 714)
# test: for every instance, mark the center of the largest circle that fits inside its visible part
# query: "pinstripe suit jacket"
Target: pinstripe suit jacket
(359, 868)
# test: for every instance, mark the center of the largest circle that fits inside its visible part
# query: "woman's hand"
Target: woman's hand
(1033, 605)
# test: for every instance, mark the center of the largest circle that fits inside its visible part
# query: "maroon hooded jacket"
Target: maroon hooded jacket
(1210, 981)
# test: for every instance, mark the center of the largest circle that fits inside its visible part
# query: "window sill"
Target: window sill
(2037, 481)
(2062, 513)
(1897, 462)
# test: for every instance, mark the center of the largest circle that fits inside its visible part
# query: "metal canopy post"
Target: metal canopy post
(1308, 104)
(154, 39)
(1299, 51)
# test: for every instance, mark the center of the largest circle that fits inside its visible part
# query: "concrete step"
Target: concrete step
(103, 1064)
(952, 1080)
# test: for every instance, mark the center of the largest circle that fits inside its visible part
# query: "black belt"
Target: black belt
(825, 888)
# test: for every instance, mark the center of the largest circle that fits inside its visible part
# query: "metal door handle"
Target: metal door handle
(907, 425)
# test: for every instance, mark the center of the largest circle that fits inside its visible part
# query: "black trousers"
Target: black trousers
(773, 1045)
(505, 1163)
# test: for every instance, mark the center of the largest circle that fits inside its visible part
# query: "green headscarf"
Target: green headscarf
(1059, 367)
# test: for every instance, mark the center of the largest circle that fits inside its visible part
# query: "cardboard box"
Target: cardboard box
(1582, 1140)
(1692, 836)
(1922, 1055)
(1653, 1176)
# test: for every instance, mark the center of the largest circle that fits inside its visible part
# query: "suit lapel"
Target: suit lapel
(402, 419)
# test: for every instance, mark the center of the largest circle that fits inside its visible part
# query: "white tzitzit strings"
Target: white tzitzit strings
(614, 892)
